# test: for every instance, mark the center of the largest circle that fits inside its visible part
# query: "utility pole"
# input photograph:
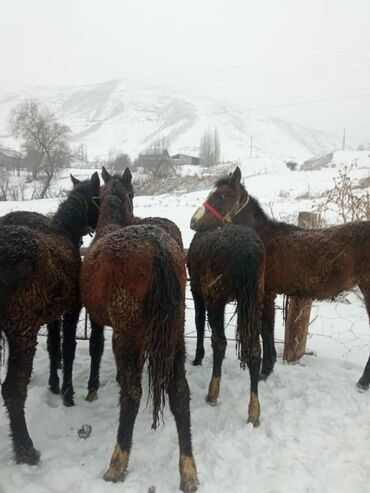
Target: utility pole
(344, 140)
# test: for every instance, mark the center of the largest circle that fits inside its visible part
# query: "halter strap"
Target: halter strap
(236, 208)
(213, 211)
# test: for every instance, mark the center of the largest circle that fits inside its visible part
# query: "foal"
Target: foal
(96, 342)
(315, 263)
(39, 273)
(224, 265)
(42, 223)
(133, 279)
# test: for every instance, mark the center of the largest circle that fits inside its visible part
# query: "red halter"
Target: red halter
(213, 211)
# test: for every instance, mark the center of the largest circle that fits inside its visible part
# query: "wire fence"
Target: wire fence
(323, 326)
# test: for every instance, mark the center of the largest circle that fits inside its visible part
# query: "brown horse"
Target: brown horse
(96, 341)
(224, 265)
(39, 282)
(318, 263)
(133, 279)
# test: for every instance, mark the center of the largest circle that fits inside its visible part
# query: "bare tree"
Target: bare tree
(350, 202)
(158, 146)
(210, 148)
(43, 138)
(120, 162)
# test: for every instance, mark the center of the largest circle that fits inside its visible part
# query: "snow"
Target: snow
(130, 114)
(314, 434)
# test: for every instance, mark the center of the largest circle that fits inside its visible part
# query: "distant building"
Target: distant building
(158, 164)
(182, 159)
(317, 162)
(10, 159)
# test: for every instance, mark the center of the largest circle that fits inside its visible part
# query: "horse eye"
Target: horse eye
(221, 196)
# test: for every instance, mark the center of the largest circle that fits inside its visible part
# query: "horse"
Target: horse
(39, 283)
(227, 264)
(133, 279)
(43, 223)
(96, 341)
(315, 263)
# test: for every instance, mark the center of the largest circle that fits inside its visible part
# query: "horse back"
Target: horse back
(42, 270)
(117, 272)
(319, 263)
(216, 257)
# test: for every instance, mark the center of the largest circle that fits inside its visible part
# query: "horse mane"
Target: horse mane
(111, 206)
(71, 216)
(260, 215)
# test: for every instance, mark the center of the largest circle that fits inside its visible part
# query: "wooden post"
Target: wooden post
(299, 309)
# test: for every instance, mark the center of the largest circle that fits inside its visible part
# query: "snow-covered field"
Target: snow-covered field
(315, 431)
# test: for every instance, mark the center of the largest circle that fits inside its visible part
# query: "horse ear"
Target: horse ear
(236, 177)
(106, 176)
(75, 181)
(127, 177)
(95, 181)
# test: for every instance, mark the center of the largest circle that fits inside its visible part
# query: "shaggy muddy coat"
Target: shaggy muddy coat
(39, 282)
(228, 264)
(96, 342)
(133, 279)
(315, 263)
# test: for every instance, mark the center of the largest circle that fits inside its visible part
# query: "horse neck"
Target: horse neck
(71, 218)
(110, 214)
(264, 226)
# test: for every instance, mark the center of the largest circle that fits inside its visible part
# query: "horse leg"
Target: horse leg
(364, 381)
(70, 321)
(216, 321)
(200, 321)
(14, 390)
(254, 365)
(130, 362)
(267, 333)
(96, 348)
(55, 356)
(179, 399)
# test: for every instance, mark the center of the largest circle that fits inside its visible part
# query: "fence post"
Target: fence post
(299, 309)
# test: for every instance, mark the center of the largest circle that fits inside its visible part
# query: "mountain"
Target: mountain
(126, 115)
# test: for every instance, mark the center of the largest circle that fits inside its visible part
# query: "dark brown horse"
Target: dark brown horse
(133, 279)
(39, 283)
(227, 264)
(318, 263)
(42, 223)
(96, 341)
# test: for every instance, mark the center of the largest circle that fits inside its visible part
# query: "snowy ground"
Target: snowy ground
(314, 434)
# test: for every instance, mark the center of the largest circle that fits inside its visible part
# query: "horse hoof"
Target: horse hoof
(254, 420)
(362, 387)
(189, 486)
(92, 396)
(197, 362)
(188, 473)
(114, 475)
(68, 401)
(263, 376)
(29, 456)
(55, 389)
(211, 401)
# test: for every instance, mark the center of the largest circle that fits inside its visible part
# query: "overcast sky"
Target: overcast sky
(307, 61)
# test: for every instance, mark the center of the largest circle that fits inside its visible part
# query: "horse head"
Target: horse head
(89, 190)
(119, 190)
(222, 205)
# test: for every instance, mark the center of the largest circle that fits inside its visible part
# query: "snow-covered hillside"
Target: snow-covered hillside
(127, 115)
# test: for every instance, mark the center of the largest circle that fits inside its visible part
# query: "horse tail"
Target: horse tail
(248, 276)
(162, 308)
